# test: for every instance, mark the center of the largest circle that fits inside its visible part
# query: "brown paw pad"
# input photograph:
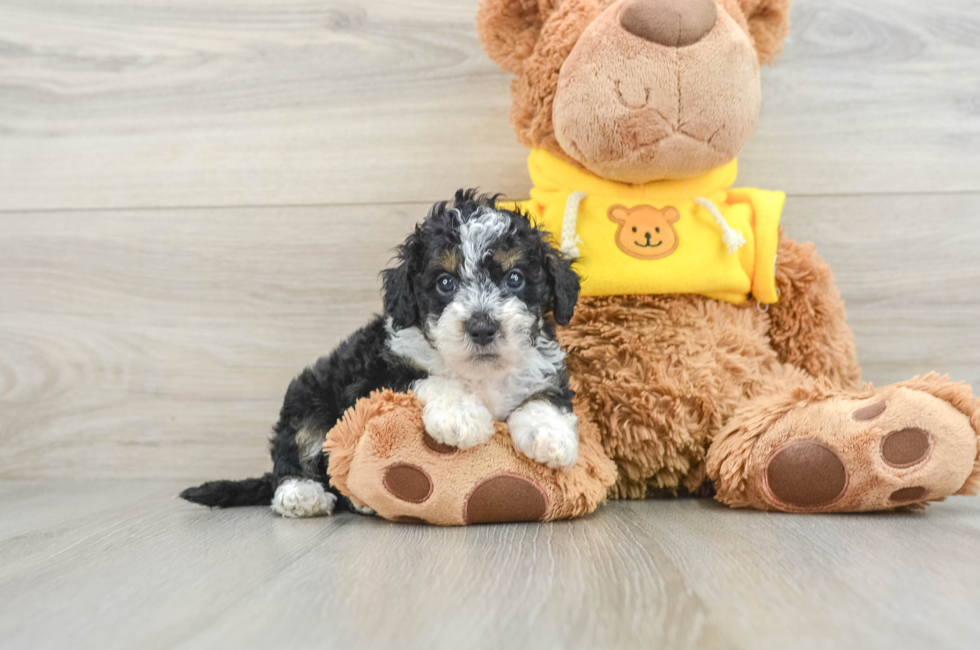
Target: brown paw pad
(505, 498)
(408, 483)
(870, 412)
(806, 474)
(905, 447)
(437, 447)
(414, 521)
(908, 494)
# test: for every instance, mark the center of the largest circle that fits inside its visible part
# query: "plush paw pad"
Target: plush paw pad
(898, 448)
(905, 447)
(408, 482)
(437, 447)
(300, 498)
(908, 495)
(505, 498)
(411, 521)
(806, 474)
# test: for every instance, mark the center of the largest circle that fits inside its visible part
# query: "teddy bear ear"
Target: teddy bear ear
(509, 29)
(768, 24)
(618, 214)
(671, 214)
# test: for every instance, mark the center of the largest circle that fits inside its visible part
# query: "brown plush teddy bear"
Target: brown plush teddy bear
(708, 350)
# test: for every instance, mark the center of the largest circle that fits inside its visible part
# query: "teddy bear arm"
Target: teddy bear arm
(809, 324)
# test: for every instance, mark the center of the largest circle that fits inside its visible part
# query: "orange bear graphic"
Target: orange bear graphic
(645, 232)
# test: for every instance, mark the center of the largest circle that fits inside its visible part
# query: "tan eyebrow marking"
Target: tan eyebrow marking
(507, 259)
(449, 260)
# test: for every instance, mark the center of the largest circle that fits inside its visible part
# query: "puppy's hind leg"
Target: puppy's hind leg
(297, 459)
(298, 463)
(297, 498)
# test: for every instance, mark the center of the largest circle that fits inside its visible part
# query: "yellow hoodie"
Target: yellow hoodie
(686, 236)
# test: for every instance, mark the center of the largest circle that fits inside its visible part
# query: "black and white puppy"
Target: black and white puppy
(469, 326)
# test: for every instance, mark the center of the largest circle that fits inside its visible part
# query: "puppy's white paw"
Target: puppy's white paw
(545, 434)
(297, 498)
(462, 423)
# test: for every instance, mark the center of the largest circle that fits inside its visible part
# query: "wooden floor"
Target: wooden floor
(196, 197)
(121, 564)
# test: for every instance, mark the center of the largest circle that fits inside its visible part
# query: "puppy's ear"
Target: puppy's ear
(564, 286)
(400, 303)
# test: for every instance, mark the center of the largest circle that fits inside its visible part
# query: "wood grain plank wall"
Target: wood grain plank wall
(161, 103)
(143, 336)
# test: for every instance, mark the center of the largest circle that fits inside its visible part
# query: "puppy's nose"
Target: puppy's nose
(482, 329)
(674, 23)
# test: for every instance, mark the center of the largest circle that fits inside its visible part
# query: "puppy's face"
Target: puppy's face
(480, 283)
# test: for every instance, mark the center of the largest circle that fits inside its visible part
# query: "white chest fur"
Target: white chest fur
(535, 372)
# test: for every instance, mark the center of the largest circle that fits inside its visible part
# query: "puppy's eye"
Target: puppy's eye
(446, 284)
(514, 280)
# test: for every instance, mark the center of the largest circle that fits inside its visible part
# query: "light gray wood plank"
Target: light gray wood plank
(772, 580)
(152, 572)
(127, 336)
(909, 273)
(153, 103)
(875, 96)
(159, 343)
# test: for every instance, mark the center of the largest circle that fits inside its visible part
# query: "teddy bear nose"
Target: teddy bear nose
(674, 23)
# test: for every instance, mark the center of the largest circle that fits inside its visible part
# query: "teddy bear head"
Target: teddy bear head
(645, 232)
(635, 90)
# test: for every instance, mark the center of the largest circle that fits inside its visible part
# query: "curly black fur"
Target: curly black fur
(319, 396)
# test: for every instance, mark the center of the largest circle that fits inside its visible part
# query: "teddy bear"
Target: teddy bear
(709, 352)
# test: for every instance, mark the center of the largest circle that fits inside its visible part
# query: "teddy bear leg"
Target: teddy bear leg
(808, 325)
(815, 447)
(384, 461)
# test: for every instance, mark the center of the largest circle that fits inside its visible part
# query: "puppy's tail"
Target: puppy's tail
(230, 494)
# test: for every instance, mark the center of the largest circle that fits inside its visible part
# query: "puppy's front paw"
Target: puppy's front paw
(462, 423)
(297, 498)
(545, 434)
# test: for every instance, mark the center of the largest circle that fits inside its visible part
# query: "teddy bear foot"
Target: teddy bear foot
(382, 458)
(899, 446)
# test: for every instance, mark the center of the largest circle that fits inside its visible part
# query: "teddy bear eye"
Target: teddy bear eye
(658, 229)
(634, 228)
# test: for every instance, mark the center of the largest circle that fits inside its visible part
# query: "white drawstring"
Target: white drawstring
(569, 238)
(733, 239)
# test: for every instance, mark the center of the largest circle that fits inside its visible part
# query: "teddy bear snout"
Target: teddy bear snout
(674, 23)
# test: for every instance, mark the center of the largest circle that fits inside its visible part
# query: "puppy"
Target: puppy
(468, 326)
